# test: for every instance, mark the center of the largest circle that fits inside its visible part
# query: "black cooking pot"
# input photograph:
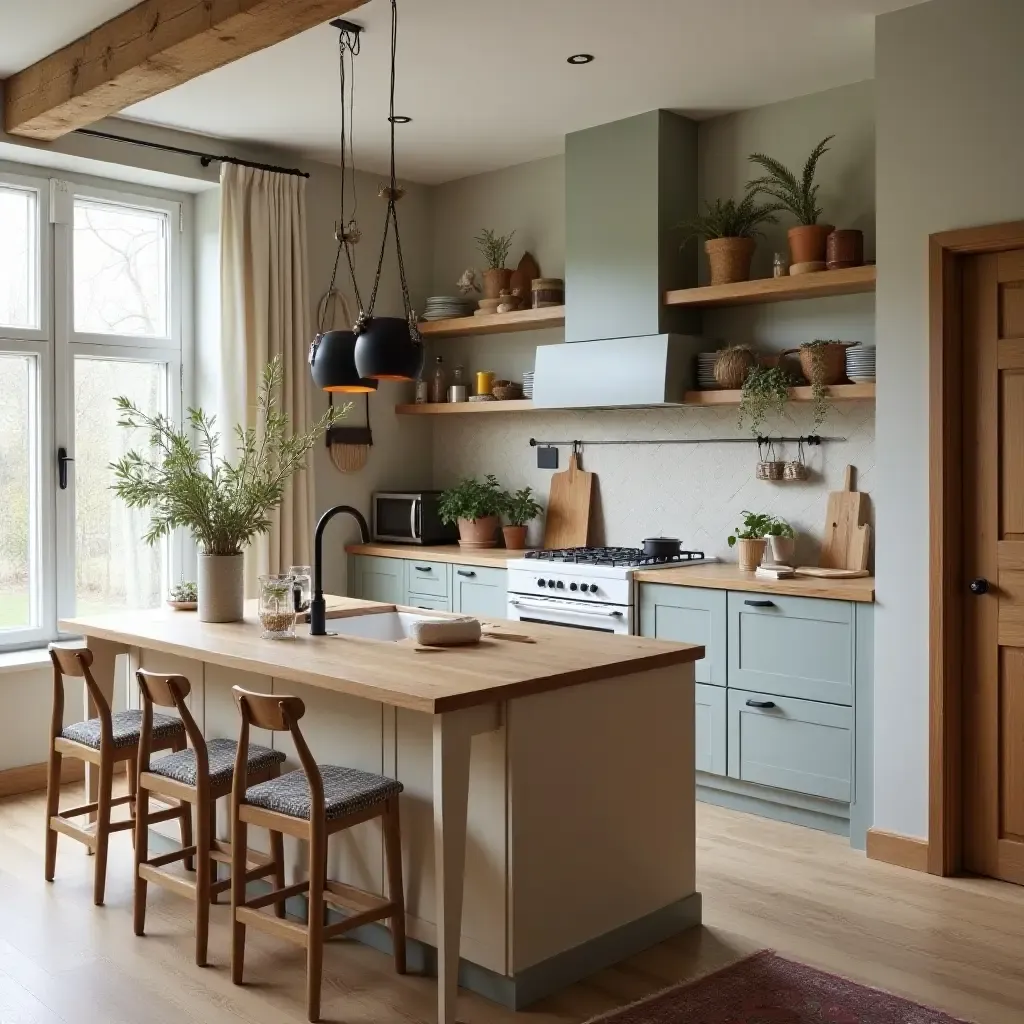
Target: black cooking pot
(661, 547)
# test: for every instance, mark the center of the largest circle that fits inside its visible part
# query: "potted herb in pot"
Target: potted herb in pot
(807, 241)
(520, 510)
(781, 541)
(749, 539)
(190, 484)
(494, 249)
(476, 506)
(730, 230)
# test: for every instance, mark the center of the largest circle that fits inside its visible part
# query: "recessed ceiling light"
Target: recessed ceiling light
(580, 58)
(400, 119)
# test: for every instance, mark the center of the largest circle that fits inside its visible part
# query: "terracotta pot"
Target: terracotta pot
(730, 259)
(807, 242)
(845, 248)
(750, 553)
(479, 533)
(515, 537)
(221, 588)
(497, 281)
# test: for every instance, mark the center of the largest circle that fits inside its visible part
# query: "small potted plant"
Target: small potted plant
(184, 596)
(750, 539)
(730, 230)
(807, 241)
(781, 541)
(494, 249)
(520, 510)
(476, 506)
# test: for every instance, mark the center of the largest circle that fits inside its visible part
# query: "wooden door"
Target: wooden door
(993, 476)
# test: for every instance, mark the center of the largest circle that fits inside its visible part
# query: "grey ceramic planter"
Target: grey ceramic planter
(221, 588)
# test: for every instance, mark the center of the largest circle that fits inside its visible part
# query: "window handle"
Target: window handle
(62, 467)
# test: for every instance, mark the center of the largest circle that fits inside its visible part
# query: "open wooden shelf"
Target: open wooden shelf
(698, 399)
(851, 281)
(495, 323)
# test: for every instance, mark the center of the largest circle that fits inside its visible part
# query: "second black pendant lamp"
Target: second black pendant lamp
(388, 347)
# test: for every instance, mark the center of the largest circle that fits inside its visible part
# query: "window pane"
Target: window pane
(120, 274)
(19, 255)
(114, 567)
(17, 386)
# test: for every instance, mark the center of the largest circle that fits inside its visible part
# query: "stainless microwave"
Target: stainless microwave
(411, 518)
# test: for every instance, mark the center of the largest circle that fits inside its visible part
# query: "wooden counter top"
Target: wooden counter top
(727, 576)
(439, 680)
(495, 558)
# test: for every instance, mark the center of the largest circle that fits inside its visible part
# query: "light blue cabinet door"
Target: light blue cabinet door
(792, 646)
(377, 579)
(692, 615)
(799, 745)
(711, 729)
(428, 579)
(479, 591)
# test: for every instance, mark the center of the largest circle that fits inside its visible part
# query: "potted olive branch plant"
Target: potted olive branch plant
(807, 241)
(730, 230)
(520, 509)
(495, 249)
(224, 504)
(750, 539)
(476, 505)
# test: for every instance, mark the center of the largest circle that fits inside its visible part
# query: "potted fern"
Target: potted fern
(730, 230)
(495, 249)
(224, 504)
(807, 241)
(476, 505)
(520, 510)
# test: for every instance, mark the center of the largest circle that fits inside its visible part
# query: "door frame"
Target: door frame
(947, 251)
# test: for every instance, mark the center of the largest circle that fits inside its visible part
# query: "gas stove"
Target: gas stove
(628, 558)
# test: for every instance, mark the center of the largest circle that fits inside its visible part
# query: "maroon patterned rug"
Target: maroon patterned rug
(766, 989)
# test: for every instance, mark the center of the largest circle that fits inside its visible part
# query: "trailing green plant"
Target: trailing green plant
(471, 499)
(521, 507)
(780, 528)
(798, 195)
(191, 485)
(730, 219)
(755, 527)
(494, 248)
(765, 390)
(820, 401)
(184, 592)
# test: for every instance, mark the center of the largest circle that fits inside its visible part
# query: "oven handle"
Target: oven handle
(566, 606)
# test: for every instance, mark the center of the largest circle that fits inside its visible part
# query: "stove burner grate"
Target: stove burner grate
(611, 556)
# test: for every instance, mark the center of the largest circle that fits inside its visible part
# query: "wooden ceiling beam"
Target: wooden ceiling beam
(145, 51)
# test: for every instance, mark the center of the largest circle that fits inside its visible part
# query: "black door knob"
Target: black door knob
(979, 586)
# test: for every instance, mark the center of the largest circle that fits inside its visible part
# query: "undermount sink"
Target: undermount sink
(393, 626)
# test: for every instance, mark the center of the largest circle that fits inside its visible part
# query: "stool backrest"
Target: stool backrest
(168, 690)
(75, 663)
(276, 713)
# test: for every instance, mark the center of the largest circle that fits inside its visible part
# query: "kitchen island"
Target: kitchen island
(548, 811)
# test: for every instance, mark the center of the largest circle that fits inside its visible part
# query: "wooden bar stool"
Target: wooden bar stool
(197, 776)
(103, 741)
(311, 804)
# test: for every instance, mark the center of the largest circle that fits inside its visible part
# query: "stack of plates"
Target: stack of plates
(444, 307)
(860, 364)
(528, 384)
(706, 370)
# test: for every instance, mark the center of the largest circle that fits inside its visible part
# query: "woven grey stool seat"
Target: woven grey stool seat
(126, 729)
(346, 791)
(181, 766)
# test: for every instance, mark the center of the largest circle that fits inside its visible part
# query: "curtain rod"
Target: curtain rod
(204, 158)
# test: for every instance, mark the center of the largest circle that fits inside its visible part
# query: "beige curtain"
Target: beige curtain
(265, 313)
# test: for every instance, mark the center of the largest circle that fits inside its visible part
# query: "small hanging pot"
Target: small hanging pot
(768, 466)
(797, 469)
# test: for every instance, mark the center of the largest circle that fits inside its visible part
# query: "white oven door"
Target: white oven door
(552, 611)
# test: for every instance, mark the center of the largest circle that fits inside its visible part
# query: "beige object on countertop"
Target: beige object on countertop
(455, 632)
(568, 517)
(816, 572)
(846, 541)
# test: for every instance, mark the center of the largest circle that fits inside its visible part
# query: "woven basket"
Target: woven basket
(796, 471)
(770, 470)
(729, 259)
(824, 364)
(732, 366)
(506, 390)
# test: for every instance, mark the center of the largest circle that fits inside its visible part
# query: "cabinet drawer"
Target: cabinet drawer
(711, 729)
(480, 591)
(792, 646)
(434, 604)
(800, 745)
(428, 578)
(691, 615)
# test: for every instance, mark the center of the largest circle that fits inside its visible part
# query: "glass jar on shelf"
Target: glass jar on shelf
(277, 606)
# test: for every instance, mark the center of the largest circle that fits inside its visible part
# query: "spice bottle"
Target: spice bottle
(438, 382)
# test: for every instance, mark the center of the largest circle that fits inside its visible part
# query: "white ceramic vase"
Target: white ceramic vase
(221, 588)
(782, 549)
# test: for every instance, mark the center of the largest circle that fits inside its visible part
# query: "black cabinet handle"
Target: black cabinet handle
(760, 604)
(422, 568)
(62, 467)
(464, 572)
(763, 705)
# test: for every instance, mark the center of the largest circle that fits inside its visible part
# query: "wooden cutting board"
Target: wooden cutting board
(522, 280)
(568, 519)
(846, 541)
(831, 574)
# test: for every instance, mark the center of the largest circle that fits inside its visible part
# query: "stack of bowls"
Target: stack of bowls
(528, 384)
(860, 364)
(445, 307)
(706, 371)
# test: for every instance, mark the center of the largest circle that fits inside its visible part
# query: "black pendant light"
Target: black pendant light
(387, 347)
(332, 354)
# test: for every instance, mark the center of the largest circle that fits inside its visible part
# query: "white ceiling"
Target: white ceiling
(487, 84)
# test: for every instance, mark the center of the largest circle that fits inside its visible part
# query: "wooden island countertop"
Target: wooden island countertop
(434, 681)
(727, 576)
(495, 558)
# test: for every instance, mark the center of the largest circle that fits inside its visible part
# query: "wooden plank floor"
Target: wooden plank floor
(954, 944)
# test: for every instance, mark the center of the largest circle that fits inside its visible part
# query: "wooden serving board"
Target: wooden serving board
(831, 574)
(846, 540)
(568, 518)
(522, 280)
